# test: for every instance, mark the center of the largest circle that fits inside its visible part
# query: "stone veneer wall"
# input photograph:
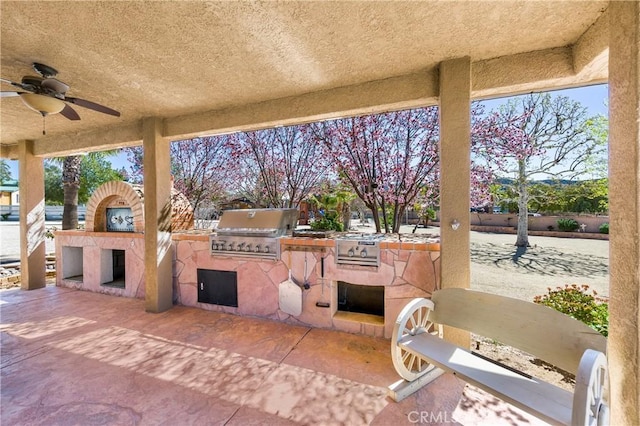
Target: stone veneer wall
(92, 243)
(407, 270)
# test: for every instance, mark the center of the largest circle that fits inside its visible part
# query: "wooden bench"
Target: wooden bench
(420, 354)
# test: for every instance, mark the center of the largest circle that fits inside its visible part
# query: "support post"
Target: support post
(455, 180)
(624, 203)
(32, 229)
(158, 253)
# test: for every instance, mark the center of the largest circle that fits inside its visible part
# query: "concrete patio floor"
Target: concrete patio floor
(71, 357)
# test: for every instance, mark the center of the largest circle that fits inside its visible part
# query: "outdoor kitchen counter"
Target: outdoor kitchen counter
(409, 267)
(393, 242)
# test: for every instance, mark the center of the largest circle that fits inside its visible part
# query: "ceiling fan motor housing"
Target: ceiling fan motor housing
(44, 70)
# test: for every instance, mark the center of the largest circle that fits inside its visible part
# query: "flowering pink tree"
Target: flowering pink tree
(539, 136)
(281, 166)
(386, 158)
(391, 160)
(199, 167)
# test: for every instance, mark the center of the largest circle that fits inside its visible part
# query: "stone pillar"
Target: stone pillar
(32, 230)
(455, 179)
(158, 253)
(624, 203)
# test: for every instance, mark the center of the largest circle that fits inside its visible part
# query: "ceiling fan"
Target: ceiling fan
(48, 95)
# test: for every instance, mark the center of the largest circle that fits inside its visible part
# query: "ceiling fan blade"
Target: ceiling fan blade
(92, 105)
(9, 94)
(55, 85)
(13, 83)
(69, 113)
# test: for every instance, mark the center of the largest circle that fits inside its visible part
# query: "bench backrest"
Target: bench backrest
(537, 329)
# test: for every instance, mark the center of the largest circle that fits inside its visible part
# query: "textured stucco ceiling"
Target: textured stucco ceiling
(169, 59)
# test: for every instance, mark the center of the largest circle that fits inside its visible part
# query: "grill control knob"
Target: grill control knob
(266, 249)
(351, 253)
(230, 246)
(240, 247)
(363, 253)
(214, 246)
(247, 247)
(257, 249)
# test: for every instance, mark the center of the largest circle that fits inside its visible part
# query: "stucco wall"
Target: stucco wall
(537, 223)
(93, 244)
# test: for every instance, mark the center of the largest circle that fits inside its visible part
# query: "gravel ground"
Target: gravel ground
(497, 266)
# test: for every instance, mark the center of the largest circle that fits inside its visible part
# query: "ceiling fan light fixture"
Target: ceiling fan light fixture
(45, 105)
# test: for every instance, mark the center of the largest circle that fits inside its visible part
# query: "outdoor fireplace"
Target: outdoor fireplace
(108, 255)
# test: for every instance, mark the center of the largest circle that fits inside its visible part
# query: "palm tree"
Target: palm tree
(71, 186)
(71, 171)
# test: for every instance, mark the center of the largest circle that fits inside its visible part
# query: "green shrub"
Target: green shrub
(604, 228)
(567, 225)
(575, 301)
(49, 232)
(327, 223)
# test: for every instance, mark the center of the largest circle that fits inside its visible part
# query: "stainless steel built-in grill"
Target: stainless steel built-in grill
(358, 249)
(252, 232)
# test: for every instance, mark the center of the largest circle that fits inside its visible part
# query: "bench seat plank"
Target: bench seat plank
(550, 403)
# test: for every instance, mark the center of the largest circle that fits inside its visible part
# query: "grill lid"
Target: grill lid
(258, 222)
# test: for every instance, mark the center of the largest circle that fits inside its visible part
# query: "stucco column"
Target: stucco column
(158, 256)
(455, 179)
(32, 230)
(624, 204)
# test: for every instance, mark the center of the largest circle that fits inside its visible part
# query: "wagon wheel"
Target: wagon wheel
(592, 381)
(414, 319)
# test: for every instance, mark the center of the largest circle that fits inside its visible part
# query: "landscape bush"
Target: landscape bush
(577, 302)
(604, 228)
(327, 223)
(567, 225)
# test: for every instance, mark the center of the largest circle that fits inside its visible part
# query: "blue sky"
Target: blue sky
(592, 97)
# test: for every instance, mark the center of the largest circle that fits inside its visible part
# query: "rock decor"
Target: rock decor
(10, 273)
(408, 269)
(9, 277)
